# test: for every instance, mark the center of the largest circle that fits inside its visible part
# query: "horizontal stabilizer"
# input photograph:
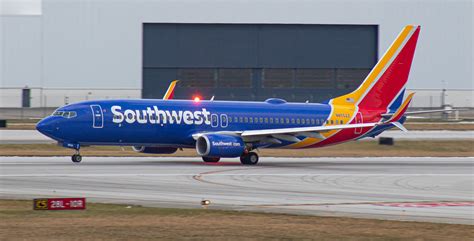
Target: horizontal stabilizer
(400, 126)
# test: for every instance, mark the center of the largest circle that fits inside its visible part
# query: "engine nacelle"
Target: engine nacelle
(154, 150)
(215, 145)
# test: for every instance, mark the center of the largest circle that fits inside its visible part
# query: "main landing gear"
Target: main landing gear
(76, 158)
(250, 158)
(211, 159)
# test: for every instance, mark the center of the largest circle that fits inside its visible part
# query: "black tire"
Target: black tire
(211, 159)
(250, 158)
(76, 158)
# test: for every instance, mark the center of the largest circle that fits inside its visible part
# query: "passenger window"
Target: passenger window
(298, 121)
(246, 119)
(271, 120)
(276, 120)
(303, 121)
(230, 119)
(292, 120)
(287, 121)
(260, 119)
(224, 120)
(241, 120)
(250, 119)
(255, 119)
(266, 119)
(214, 120)
(312, 121)
(236, 120)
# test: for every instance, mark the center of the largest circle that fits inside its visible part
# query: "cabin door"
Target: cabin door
(359, 120)
(97, 116)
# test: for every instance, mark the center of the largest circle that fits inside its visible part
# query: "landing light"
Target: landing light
(205, 203)
(197, 99)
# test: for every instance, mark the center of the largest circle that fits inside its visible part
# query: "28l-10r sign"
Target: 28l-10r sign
(59, 204)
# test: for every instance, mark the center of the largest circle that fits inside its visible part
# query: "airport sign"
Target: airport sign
(59, 204)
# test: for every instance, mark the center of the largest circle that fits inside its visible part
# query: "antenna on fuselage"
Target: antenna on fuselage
(307, 101)
(212, 98)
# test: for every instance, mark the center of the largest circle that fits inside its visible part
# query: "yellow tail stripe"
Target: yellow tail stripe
(356, 95)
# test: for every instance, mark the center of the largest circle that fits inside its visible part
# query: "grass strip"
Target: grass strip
(120, 222)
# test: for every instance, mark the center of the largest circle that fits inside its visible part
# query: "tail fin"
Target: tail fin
(170, 92)
(385, 84)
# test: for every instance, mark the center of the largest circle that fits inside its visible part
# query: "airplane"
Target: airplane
(230, 129)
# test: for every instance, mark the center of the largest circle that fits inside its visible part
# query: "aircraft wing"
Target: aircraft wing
(287, 134)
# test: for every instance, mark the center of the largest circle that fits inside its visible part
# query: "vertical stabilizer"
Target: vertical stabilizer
(384, 87)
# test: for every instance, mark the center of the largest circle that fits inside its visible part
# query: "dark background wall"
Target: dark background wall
(257, 61)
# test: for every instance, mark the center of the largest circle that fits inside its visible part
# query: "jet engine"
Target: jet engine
(218, 145)
(154, 150)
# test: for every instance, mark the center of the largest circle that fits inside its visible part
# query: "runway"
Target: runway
(420, 189)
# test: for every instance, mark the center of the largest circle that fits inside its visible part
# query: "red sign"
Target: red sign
(59, 204)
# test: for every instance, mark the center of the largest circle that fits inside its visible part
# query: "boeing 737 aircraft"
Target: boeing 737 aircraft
(219, 129)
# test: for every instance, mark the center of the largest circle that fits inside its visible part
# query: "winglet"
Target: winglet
(170, 92)
(403, 108)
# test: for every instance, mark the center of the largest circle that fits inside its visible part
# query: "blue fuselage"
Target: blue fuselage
(172, 122)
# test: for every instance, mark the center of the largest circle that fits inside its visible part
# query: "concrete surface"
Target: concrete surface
(34, 137)
(421, 189)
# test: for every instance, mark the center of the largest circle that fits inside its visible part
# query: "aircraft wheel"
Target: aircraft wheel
(76, 158)
(210, 159)
(250, 158)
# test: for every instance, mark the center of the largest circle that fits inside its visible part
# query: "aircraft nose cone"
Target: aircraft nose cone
(45, 126)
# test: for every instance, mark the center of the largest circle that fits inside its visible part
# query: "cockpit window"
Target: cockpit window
(65, 114)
